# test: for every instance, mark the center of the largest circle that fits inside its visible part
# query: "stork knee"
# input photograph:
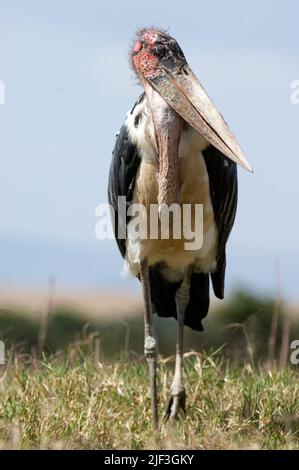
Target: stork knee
(177, 389)
(182, 296)
(150, 347)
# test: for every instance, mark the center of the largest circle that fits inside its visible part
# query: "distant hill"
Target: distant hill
(97, 265)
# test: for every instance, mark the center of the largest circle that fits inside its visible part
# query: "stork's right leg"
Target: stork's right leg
(177, 399)
(150, 344)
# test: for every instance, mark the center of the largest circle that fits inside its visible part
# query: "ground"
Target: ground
(74, 401)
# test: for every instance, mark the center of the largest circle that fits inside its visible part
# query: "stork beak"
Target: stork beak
(184, 93)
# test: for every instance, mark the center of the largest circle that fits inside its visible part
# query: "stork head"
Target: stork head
(162, 69)
(154, 49)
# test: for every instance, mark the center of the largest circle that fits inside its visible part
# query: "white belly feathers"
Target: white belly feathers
(194, 189)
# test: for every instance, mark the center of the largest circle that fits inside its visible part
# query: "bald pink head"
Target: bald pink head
(153, 48)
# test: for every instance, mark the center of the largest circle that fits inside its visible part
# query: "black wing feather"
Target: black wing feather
(123, 171)
(224, 194)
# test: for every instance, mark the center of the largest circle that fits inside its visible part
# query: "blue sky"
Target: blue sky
(68, 86)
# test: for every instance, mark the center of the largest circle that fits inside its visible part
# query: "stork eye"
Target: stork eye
(137, 47)
(160, 50)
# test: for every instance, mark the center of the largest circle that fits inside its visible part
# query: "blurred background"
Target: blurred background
(68, 86)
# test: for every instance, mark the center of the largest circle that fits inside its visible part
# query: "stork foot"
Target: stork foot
(176, 404)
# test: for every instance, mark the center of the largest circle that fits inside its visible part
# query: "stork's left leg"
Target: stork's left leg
(150, 345)
(177, 399)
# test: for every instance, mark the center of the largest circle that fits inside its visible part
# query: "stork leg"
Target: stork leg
(177, 400)
(150, 344)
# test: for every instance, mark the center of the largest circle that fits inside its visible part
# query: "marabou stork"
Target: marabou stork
(174, 147)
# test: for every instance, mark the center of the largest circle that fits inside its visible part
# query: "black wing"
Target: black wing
(224, 194)
(123, 171)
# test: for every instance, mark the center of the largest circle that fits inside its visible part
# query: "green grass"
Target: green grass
(70, 401)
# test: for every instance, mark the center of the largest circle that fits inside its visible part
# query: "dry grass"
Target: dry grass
(72, 401)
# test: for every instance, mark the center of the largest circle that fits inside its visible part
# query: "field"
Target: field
(74, 401)
(77, 379)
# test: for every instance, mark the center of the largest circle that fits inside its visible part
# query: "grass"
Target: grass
(70, 400)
